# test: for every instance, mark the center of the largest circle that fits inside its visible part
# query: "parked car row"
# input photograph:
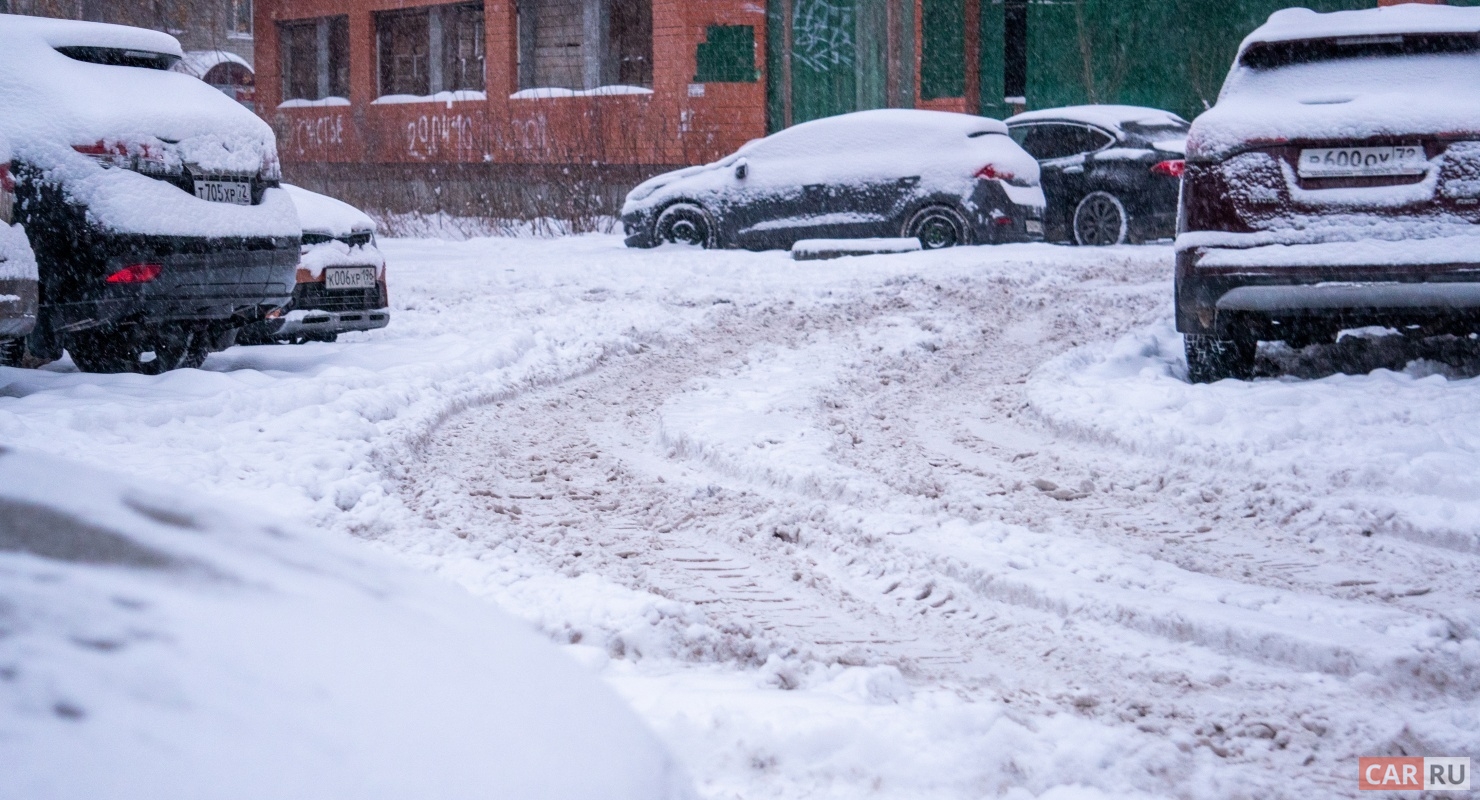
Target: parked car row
(155, 210)
(1091, 175)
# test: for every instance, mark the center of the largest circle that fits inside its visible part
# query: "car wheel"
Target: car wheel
(1100, 220)
(1211, 359)
(684, 223)
(122, 351)
(937, 227)
(103, 351)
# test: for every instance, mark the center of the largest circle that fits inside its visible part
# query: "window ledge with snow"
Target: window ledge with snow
(321, 102)
(556, 91)
(440, 97)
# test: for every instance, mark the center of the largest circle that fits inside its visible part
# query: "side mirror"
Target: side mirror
(742, 168)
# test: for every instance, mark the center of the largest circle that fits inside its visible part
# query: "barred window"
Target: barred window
(239, 22)
(585, 44)
(432, 49)
(315, 58)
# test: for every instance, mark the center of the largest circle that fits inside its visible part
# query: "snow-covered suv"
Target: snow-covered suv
(1335, 185)
(341, 276)
(151, 199)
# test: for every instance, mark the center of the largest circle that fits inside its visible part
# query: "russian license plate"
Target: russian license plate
(349, 278)
(1362, 162)
(239, 192)
(1035, 226)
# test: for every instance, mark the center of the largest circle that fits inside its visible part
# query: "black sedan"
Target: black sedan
(1111, 173)
(945, 179)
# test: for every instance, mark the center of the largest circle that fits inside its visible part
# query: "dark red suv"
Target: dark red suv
(1335, 185)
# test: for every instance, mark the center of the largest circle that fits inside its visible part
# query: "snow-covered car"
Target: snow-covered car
(341, 276)
(151, 199)
(1111, 173)
(18, 290)
(946, 179)
(1335, 185)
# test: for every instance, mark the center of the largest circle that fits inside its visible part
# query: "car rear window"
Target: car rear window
(1274, 55)
(120, 57)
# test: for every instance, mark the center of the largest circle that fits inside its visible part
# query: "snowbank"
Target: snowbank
(1390, 451)
(161, 646)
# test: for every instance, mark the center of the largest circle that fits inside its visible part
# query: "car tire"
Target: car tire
(1100, 219)
(937, 227)
(120, 351)
(684, 223)
(1211, 359)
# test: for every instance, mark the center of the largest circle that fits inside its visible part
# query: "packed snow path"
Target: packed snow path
(867, 482)
(931, 525)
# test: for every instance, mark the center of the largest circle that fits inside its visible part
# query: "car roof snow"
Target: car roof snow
(71, 33)
(1293, 24)
(1111, 117)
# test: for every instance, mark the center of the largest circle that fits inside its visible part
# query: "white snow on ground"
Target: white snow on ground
(941, 524)
(155, 645)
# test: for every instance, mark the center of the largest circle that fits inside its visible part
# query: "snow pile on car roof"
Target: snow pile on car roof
(1346, 98)
(159, 646)
(54, 102)
(320, 213)
(1105, 116)
(945, 149)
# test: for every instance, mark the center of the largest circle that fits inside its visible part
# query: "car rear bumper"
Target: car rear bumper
(1261, 299)
(316, 310)
(314, 322)
(199, 280)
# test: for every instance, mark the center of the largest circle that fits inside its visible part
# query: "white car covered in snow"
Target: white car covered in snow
(151, 199)
(341, 284)
(945, 179)
(18, 291)
(1335, 185)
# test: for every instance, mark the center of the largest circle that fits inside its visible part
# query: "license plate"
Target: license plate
(1362, 162)
(1034, 226)
(239, 192)
(349, 278)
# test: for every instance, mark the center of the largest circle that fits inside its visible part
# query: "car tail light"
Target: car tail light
(1459, 177)
(272, 168)
(992, 172)
(1172, 168)
(136, 273)
(149, 159)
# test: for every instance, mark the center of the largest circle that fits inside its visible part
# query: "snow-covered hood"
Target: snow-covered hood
(1347, 99)
(322, 214)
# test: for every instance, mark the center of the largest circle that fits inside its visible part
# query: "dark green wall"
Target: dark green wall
(1170, 54)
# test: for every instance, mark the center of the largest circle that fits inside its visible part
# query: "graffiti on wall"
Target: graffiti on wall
(306, 136)
(445, 136)
(822, 34)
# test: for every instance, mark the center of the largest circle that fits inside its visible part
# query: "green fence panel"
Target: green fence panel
(942, 49)
(727, 55)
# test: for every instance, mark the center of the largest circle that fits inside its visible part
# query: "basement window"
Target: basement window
(425, 51)
(584, 45)
(315, 58)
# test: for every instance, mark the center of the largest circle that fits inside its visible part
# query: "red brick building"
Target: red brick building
(442, 97)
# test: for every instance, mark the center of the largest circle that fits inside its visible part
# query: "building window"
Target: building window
(239, 24)
(428, 50)
(585, 44)
(315, 56)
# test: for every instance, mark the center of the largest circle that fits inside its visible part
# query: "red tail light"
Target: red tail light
(136, 273)
(7, 182)
(1171, 169)
(992, 172)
